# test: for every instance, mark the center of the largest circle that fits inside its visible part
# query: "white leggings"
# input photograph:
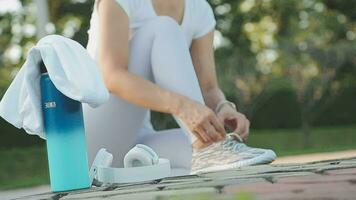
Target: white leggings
(159, 53)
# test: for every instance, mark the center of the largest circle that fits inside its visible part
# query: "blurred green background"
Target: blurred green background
(290, 66)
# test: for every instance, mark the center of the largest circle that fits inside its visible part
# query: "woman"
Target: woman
(158, 55)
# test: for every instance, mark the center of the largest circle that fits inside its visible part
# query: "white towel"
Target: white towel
(71, 70)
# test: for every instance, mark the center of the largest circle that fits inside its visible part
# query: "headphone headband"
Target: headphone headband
(150, 166)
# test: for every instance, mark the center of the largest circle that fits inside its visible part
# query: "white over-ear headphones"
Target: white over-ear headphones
(141, 163)
(140, 155)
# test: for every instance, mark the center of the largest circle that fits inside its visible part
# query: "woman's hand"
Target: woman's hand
(201, 120)
(235, 121)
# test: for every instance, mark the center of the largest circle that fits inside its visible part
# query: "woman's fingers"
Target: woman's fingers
(200, 138)
(210, 131)
(240, 125)
(245, 134)
(243, 126)
(210, 127)
(234, 121)
(218, 126)
(202, 135)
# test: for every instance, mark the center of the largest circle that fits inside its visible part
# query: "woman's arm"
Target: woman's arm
(113, 59)
(203, 59)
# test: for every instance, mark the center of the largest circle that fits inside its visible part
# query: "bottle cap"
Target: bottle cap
(42, 67)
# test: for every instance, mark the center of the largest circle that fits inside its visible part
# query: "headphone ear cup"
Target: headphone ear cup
(140, 155)
(103, 158)
(149, 150)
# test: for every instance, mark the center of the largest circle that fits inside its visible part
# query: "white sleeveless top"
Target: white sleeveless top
(198, 20)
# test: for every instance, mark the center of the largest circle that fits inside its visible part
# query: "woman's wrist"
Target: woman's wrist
(224, 103)
(176, 104)
(213, 96)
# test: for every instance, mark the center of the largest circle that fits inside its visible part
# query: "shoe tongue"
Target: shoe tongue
(229, 141)
(234, 143)
(239, 145)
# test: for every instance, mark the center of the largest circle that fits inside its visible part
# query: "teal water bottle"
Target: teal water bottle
(65, 138)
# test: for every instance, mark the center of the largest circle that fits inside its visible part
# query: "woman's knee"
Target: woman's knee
(162, 25)
(166, 22)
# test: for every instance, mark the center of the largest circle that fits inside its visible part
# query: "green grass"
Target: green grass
(290, 142)
(25, 167)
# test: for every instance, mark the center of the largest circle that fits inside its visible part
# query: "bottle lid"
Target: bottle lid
(43, 69)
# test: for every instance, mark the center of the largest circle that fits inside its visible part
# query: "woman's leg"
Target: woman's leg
(172, 66)
(173, 69)
(158, 52)
(171, 144)
(114, 126)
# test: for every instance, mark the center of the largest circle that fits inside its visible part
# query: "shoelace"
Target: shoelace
(237, 136)
(232, 144)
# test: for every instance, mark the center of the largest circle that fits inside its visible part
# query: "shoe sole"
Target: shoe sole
(267, 157)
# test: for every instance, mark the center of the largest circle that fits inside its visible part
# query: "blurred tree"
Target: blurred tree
(17, 36)
(301, 41)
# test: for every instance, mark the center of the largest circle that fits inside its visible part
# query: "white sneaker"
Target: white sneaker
(229, 154)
